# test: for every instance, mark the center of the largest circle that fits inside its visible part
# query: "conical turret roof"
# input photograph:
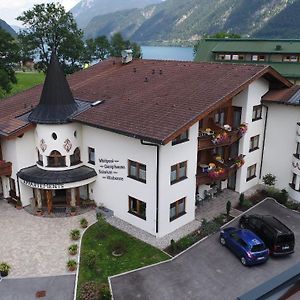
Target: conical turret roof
(56, 102)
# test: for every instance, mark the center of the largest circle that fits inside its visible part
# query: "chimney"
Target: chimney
(126, 56)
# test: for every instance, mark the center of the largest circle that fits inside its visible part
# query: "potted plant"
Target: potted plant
(84, 223)
(75, 234)
(73, 211)
(19, 204)
(4, 269)
(243, 128)
(73, 249)
(39, 212)
(72, 265)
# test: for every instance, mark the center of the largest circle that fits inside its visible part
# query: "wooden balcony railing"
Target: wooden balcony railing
(226, 170)
(5, 168)
(211, 141)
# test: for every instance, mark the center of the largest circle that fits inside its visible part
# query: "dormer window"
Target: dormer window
(55, 159)
(75, 157)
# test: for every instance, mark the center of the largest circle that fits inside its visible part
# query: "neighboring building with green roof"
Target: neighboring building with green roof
(282, 55)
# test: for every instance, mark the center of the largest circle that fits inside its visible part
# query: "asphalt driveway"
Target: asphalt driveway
(208, 270)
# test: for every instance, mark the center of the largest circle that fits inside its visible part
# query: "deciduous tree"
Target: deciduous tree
(49, 27)
(8, 57)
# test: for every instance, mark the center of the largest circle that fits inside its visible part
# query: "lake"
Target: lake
(168, 53)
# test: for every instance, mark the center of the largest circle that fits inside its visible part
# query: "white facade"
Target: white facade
(282, 135)
(112, 187)
(247, 99)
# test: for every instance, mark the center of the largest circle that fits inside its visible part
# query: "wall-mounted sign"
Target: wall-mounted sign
(44, 186)
(110, 169)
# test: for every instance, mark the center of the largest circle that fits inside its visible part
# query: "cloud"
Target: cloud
(10, 9)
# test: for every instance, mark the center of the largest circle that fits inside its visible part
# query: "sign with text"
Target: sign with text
(110, 169)
(44, 186)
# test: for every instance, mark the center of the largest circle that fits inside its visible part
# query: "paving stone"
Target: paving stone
(36, 246)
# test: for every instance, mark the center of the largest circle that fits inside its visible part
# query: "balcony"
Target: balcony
(5, 168)
(221, 137)
(218, 171)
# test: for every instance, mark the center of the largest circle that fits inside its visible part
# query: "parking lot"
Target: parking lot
(208, 270)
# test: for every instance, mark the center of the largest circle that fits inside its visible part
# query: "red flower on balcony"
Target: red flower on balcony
(220, 138)
(217, 173)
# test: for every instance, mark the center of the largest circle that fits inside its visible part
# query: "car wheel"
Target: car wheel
(222, 241)
(242, 226)
(243, 261)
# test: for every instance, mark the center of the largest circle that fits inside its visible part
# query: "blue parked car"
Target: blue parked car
(245, 244)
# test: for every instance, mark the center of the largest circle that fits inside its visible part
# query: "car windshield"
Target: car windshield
(258, 247)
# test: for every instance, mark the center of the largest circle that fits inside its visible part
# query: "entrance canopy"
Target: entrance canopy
(36, 177)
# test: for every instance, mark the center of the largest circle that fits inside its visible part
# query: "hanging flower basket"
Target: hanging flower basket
(239, 161)
(243, 128)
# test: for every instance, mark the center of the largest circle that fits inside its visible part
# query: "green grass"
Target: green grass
(26, 80)
(99, 238)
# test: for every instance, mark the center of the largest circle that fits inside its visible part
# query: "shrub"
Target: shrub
(292, 205)
(220, 219)
(105, 292)
(173, 246)
(90, 258)
(73, 249)
(4, 267)
(269, 179)
(72, 264)
(186, 242)
(84, 223)
(241, 199)
(75, 234)
(118, 247)
(247, 203)
(90, 290)
(228, 208)
(280, 196)
(208, 228)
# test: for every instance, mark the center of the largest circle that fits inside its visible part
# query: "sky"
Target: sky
(10, 9)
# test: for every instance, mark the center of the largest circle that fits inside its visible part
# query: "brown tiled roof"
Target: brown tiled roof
(281, 96)
(147, 99)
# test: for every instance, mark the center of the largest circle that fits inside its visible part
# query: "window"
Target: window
(55, 159)
(254, 57)
(137, 208)
(219, 117)
(257, 112)
(184, 137)
(75, 157)
(178, 172)
(137, 171)
(238, 57)
(251, 172)
(177, 209)
(54, 136)
(91, 155)
(40, 158)
(290, 58)
(254, 143)
(12, 184)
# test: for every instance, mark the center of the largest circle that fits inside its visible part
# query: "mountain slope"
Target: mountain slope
(177, 21)
(85, 10)
(7, 28)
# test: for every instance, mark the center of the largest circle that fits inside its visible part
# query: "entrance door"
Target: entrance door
(231, 183)
(60, 198)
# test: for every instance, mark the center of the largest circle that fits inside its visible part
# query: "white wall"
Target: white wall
(20, 151)
(171, 155)
(63, 132)
(247, 99)
(114, 193)
(281, 143)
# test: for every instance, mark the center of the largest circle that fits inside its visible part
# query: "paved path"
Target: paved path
(208, 270)
(35, 246)
(55, 288)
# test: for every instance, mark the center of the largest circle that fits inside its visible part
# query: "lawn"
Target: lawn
(26, 80)
(100, 239)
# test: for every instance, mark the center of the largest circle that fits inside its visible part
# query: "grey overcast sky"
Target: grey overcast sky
(10, 9)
